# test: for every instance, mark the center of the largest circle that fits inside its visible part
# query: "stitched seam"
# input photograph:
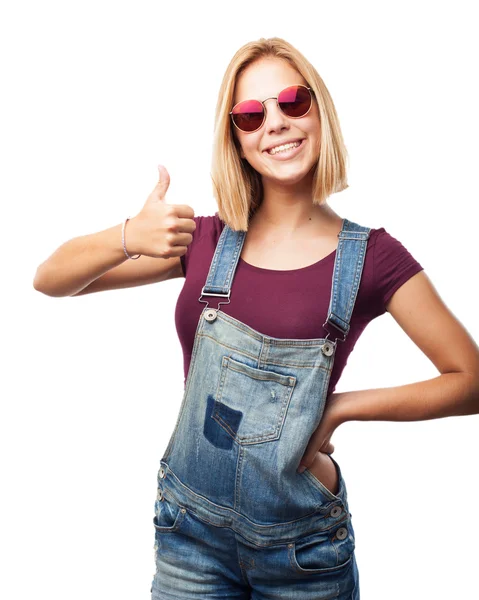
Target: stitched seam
(275, 543)
(254, 357)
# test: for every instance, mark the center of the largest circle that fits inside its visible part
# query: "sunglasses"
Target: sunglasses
(294, 101)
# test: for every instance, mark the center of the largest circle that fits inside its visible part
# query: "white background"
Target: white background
(92, 385)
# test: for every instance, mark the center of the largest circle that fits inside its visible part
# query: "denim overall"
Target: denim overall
(233, 517)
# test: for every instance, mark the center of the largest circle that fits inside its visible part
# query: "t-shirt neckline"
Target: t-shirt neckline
(301, 269)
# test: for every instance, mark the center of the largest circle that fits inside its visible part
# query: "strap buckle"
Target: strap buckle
(213, 294)
(336, 327)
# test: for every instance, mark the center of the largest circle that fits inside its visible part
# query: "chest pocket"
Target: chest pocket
(251, 404)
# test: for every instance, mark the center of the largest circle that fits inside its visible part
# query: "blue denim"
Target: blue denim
(233, 517)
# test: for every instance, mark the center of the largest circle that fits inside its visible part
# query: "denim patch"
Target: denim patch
(212, 431)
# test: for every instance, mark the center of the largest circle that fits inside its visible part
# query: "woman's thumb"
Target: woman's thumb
(163, 181)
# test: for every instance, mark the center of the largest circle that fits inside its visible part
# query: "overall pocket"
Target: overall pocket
(324, 551)
(169, 516)
(251, 404)
(168, 513)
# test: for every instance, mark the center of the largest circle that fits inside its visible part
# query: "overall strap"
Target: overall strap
(223, 265)
(348, 268)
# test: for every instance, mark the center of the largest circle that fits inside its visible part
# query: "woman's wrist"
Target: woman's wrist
(339, 408)
(127, 252)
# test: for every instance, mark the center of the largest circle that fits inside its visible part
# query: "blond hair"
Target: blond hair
(237, 187)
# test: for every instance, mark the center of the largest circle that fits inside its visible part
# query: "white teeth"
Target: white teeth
(284, 147)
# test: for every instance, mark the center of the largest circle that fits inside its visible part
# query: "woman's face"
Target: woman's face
(263, 79)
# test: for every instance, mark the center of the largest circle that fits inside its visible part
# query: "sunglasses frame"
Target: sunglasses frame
(311, 93)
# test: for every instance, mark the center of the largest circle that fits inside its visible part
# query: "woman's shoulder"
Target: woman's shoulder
(383, 243)
(210, 225)
(392, 264)
(387, 247)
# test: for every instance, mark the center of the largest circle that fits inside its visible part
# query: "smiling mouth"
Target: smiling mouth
(288, 153)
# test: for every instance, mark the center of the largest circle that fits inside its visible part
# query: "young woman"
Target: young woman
(278, 288)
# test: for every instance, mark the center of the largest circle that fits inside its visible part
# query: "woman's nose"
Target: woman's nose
(275, 118)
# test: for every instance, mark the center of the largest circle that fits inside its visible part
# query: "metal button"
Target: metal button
(183, 510)
(160, 495)
(210, 314)
(161, 472)
(327, 349)
(342, 533)
(290, 545)
(336, 511)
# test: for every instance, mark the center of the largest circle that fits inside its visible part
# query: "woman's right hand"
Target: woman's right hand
(160, 230)
(324, 469)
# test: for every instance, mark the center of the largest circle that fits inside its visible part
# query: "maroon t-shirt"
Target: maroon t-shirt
(293, 303)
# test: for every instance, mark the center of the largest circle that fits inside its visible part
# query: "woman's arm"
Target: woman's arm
(79, 261)
(160, 232)
(421, 313)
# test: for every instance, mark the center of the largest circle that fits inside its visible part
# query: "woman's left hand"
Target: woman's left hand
(320, 440)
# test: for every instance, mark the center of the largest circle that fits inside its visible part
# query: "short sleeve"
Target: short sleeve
(393, 266)
(206, 226)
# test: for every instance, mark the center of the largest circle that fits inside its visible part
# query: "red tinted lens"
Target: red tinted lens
(248, 115)
(295, 101)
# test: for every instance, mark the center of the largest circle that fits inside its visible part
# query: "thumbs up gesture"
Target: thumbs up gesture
(160, 230)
